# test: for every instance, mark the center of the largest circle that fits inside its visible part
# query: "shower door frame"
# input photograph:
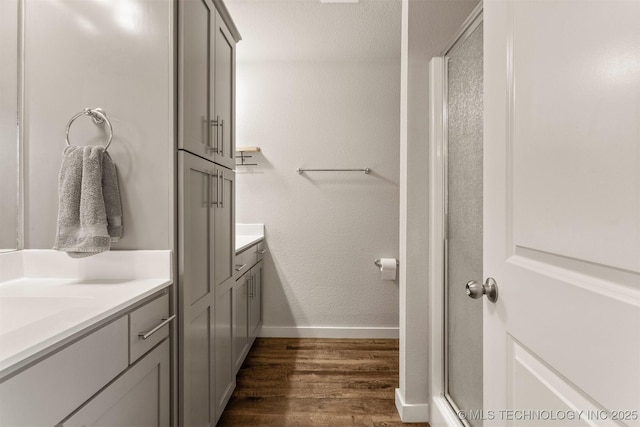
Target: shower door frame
(443, 410)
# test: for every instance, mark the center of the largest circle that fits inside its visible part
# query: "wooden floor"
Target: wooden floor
(316, 382)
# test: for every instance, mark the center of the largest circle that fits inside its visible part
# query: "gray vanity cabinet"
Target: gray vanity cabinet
(223, 208)
(206, 218)
(225, 379)
(224, 250)
(196, 81)
(195, 290)
(224, 75)
(207, 40)
(140, 396)
(207, 85)
(112, 376)
(224, 181)
(255, 301)
(240, 321)
(247, 302)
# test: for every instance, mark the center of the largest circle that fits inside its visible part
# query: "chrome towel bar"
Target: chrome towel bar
(365, 170)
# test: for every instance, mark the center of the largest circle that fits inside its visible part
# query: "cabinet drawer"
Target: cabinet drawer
(260, 250)
(47, 392)
(144, 330)
(244, 261)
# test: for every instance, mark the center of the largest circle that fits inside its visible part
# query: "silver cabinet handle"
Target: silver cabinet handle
(215, 148)
(205, 134)
(165, 320)
(253, 285)
(205, 187)
(222, 188)
(212, 201)
(240, 267)
(262, 251)
(215, 201)
(250, 279)
(221, 149)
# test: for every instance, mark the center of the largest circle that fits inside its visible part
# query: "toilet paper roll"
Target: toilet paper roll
(388, 268)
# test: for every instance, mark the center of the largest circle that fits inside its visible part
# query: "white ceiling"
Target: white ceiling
(308, 30)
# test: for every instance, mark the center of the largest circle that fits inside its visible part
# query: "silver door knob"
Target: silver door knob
(475, 289)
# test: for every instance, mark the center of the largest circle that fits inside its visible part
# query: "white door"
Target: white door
(562, 212)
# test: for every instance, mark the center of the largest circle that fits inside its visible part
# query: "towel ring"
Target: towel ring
(98, 116)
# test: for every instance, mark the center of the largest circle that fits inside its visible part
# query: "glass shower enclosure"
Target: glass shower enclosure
(463, 221)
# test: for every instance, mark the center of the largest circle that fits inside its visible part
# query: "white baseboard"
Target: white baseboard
(411, 412)
(327, 332)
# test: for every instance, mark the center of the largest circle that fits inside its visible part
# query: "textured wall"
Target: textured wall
(318, 87)
(117, 55)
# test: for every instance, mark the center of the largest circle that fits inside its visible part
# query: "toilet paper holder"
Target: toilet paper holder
(377, 263)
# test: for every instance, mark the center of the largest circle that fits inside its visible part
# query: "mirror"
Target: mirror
(10, 199)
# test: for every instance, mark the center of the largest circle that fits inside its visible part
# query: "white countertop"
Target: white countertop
(246, 241)
(248, 235)
(37, 315)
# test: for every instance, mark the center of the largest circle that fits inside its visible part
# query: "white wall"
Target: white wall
(428, 27)
(318, 86)
(113, 54)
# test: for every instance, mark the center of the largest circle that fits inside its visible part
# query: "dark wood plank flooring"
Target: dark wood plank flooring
(317, 382)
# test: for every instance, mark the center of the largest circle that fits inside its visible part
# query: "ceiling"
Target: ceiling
(308, 30)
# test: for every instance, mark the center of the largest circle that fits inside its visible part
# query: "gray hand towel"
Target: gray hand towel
(111, 193)
(89, 210)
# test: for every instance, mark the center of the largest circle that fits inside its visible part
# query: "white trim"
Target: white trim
(327, 332)
(467, 27)
(411, 412)
(403, 198)
(441, 413)
(21, 128)
(436, 224)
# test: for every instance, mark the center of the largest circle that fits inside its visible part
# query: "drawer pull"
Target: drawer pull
(165, 320)
(240, 267)
(262, 251)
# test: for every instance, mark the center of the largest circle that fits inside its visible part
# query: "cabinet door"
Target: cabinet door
(224, 373)
(224, 104)
(195, 291)
(224, 223)
(240, 326)
(139, 397)
(51, 389)
(196, 85)
(255, 300)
